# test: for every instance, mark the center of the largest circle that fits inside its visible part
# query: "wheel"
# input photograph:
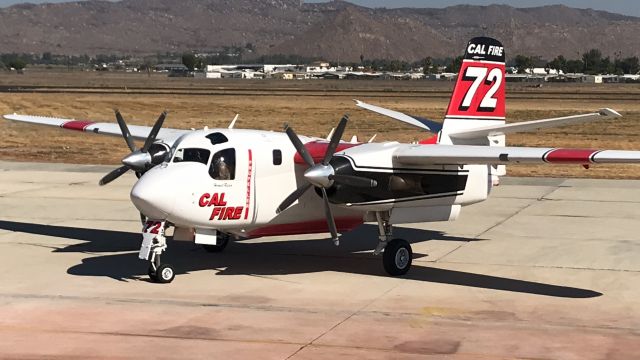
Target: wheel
(222, 240)
(397, 257)
(165, 274)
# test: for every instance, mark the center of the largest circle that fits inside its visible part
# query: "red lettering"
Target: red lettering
(204, 200)
(214, 200)
(228, 214)
(237, 213)
(221, 202)
(215, 212)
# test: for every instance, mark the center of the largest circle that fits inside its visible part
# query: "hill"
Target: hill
(336, 30)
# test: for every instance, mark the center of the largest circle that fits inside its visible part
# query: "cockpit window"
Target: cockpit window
(217, 138)
(223, 165)
(192, 154)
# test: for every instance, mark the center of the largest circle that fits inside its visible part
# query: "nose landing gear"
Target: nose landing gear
(154, 243)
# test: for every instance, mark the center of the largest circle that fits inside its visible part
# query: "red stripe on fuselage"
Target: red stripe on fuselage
(317, 149)
(307, 227)
(570, 156)
(76, 125)
(250, 170)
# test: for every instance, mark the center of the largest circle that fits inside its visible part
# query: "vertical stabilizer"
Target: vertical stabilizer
(478, 98)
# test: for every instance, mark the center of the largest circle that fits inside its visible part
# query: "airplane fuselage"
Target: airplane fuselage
(191, 191)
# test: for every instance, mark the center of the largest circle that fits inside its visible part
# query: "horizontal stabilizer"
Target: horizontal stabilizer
(603, 114)
(422, 123)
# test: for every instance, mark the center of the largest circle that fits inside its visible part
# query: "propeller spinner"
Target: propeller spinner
(322, 175)
(139, 160)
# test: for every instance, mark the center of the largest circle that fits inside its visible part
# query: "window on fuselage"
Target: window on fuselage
(223, 165)
(217, 138)
(277, 157)
(192, 155)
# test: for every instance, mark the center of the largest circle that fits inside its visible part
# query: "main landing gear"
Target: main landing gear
(396, 253)
(154, 243)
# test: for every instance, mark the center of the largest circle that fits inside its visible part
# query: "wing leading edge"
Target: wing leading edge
(138, 132)
(471, 154)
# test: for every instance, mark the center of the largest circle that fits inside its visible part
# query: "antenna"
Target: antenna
(233, 122)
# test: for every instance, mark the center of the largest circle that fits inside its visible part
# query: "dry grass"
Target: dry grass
(313, 108)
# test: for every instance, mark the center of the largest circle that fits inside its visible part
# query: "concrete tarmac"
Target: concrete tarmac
(545, 269)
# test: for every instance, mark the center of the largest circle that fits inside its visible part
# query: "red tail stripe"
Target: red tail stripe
(76, 125)
(570, 156)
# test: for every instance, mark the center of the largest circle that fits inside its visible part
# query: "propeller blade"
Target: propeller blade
(355, 181)
(113, 175)
(299, 146)
(292, 198)
(335, 140)
(125, 131)
(327, 211)
(154, 132)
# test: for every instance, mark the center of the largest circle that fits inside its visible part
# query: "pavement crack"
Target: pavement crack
(359, 310)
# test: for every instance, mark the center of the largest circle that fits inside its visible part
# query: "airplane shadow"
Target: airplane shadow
(274, 257)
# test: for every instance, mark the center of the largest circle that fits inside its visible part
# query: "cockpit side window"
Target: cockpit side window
(223, 165)
(217, 138)
(192, 155)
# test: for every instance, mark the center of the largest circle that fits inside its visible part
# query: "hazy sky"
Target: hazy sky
(627, 7)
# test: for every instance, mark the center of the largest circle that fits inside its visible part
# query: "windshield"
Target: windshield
(192, 154)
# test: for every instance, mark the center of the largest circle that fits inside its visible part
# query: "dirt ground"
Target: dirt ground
(312, 107)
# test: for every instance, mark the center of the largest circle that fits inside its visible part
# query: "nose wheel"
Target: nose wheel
(161, 273)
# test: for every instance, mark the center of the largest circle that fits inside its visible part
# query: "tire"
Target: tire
(223, 241)
(397, 257)
(165, 274)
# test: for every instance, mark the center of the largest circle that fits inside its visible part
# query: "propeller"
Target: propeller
(322, 175)
(139, 160)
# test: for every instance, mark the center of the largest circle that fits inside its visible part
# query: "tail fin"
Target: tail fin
(478, 98)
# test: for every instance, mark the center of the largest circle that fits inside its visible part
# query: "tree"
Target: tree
(427, 65)
(628, 65)
(559, 63)
(523, 63)
(574, 66)
(17, 64)
(592, 62)
(455, 65)
(190, 61)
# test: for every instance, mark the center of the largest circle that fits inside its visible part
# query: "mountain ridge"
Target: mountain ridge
(337, 30)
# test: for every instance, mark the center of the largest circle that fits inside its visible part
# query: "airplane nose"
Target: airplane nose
(152, 196)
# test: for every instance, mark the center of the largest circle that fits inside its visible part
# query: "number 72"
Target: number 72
(479, 75)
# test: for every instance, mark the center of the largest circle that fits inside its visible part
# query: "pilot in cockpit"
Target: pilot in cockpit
(222, 169)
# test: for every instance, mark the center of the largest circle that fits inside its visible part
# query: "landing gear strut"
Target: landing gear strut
(154, 243)
(397, 255)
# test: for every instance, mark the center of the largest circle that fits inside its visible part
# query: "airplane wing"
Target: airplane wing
(602, 114)
(101, 128)
(494, 155)
(416, 121)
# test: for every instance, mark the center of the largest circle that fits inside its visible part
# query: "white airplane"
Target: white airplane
(215, 184)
